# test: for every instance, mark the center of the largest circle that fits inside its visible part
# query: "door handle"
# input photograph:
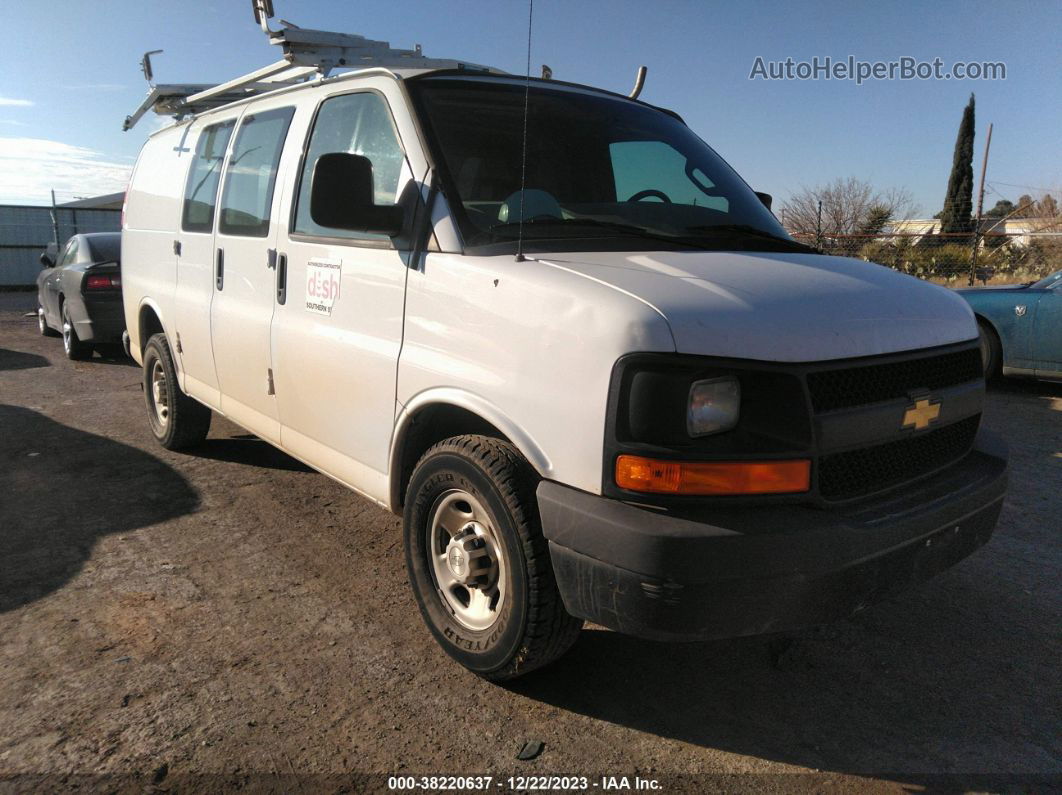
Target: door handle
(282, 278)
(219, 269)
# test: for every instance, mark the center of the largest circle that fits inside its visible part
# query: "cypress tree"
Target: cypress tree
(958, 202)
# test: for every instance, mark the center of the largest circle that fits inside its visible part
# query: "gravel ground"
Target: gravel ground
(231, 619)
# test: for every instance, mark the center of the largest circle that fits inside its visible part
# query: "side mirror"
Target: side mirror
(341, 197)
(766, 198)
(47, 260)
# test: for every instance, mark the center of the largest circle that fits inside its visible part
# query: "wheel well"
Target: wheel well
(149, 325)
(427, 427)
(988, 324)
(990, 327)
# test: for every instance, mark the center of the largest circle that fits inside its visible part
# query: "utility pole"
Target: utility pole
(55, 221)
(980, 207)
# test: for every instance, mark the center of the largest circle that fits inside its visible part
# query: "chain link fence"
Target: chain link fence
(953, 260)
(25, 231)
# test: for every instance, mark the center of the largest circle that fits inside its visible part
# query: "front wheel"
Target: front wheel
(176, 420)
(478, 564)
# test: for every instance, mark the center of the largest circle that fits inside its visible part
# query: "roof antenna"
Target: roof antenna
(523, 156)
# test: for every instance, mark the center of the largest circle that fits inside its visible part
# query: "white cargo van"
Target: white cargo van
(594, 375)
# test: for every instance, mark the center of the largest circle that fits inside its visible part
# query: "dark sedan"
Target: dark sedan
(80, 294)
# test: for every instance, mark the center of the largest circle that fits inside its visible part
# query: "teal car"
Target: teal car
(1020, 328)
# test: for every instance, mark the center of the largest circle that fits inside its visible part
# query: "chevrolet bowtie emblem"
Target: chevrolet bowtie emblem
(921, 414)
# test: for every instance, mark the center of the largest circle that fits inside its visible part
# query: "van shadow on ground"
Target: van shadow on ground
(61, 489)
(17, 360)
(909, 691)
(250, 450)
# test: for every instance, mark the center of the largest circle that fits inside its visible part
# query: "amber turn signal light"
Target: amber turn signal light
(654, 476)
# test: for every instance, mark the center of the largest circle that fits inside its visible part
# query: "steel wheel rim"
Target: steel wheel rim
(467, 559)
(159, 396)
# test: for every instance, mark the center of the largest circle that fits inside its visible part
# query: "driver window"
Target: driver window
(653, 167)
(359, 123)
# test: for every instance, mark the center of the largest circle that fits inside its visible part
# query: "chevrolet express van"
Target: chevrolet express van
(594, 375)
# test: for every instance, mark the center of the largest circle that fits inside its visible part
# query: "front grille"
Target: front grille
(852, 474)
(857, 386)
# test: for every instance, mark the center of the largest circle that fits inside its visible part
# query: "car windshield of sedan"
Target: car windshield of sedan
(600, 171)
(1054, 280)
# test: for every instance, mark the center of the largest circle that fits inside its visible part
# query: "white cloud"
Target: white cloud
(30, 168)
(15, 103)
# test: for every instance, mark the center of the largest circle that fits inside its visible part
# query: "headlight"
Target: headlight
(714, 406)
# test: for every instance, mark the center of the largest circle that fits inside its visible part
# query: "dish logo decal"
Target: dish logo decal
(323, 277)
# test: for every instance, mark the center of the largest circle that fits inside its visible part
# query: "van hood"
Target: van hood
(781, 307)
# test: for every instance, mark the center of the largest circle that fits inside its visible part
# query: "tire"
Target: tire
(991, 350)
(42, 324)
(75, 349)
(514, 620)
(177, 421)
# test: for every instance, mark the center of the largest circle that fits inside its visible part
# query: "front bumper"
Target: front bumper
(725, 572)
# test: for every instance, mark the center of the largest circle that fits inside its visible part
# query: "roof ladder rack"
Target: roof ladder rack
(307, 55)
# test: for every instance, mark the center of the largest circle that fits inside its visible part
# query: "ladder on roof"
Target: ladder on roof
(307, 55)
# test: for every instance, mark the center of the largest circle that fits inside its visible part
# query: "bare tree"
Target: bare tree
(849, 206)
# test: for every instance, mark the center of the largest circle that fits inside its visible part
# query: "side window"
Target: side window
(252, 172)
(70, 253)
(201, 192)
(361, 124)
(655, 165)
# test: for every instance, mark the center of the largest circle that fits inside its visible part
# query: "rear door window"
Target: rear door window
(251, 175)
(201, 192)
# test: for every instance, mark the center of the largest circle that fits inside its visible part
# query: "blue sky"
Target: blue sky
(71, 75)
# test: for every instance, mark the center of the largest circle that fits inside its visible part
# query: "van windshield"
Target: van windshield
(601, 172)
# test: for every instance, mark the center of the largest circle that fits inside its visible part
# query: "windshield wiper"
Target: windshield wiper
(746, 229)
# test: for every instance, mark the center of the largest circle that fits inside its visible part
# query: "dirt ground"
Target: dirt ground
(230, 619)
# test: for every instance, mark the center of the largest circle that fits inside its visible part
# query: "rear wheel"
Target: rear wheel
(42, 324)
(177, 420)
(991, 350)
(74, 347)
(477, 561)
